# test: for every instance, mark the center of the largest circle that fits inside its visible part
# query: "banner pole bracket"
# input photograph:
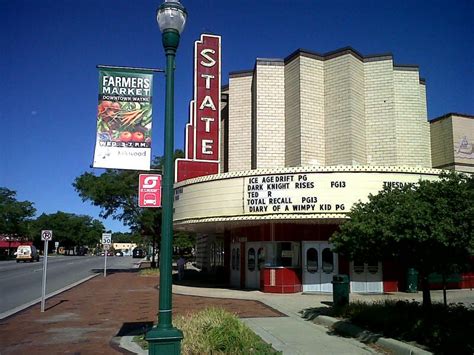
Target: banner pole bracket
(155, 70)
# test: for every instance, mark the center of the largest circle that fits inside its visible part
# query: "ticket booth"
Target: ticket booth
(281, 272)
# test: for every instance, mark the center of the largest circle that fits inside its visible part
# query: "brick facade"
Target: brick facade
(340, 108)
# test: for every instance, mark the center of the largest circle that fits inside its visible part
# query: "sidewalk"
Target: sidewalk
(93, 317)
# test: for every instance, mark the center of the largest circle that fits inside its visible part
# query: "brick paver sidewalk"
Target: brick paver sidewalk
(89, 318)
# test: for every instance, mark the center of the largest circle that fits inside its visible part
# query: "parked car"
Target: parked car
(119, 253)
(138, 253)
(27, 253)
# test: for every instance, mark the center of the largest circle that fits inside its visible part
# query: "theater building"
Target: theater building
(300, 140)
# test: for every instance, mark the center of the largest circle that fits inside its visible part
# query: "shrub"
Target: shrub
(445, 330)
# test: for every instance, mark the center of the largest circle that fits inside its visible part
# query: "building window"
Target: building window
(261, 258)
(312, 260)
(233, 258)
(251, 259)
(358, 267)
(213, 254)
(283, 254)
(373, 266)
(216, 254)
(237, 259)
(328, 261)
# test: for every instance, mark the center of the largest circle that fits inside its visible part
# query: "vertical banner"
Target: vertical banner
(124, 120)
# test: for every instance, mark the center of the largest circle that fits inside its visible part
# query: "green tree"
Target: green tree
(15, 215)
(116, 193)
(69, 229)
(428, 225)
(126, 237)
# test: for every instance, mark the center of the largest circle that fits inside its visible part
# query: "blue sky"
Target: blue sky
(49, 51)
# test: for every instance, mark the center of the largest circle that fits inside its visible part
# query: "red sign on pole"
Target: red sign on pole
(149, 190)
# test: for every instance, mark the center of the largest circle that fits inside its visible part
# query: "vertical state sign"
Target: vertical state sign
(124, 120)
(203, 130)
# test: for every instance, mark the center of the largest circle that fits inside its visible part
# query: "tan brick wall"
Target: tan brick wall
(442, 144)
(269, 114)
(344, 111)
(380, 113)
(293, 129)
(358, 120)
(240, 125)
(411, 127)
(340, 110)
(313, 132)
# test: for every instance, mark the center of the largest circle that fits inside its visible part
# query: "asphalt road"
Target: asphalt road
(20, 283)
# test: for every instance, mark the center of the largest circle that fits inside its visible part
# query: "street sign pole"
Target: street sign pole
(106, 242)
(45, 268)
(46, 235)
(105, 263)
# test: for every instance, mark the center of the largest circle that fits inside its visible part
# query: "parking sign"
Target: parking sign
(47, 235)
(149, 190)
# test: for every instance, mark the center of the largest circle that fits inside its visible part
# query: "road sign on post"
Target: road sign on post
(106, 238)
(149, 190)
(46, 235)
(106, 242)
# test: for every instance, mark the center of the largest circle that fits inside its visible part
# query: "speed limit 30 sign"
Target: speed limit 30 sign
(106, 238)
(47, 235)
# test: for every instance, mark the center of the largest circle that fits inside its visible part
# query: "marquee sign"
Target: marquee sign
(203, 130)
(287, 193)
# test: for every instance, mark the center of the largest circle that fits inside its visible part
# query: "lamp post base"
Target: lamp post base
(164, 341)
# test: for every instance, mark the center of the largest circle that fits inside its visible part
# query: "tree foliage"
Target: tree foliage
(15, 215)
(428, 225)
(116, 193)
(69, 229)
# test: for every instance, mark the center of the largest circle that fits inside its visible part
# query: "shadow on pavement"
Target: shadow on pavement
(55, 305)
(134, 328)
(114, 271)
(195, 278)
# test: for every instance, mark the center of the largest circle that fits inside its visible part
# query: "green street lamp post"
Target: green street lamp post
(164, 338)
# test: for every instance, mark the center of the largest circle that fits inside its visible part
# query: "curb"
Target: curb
(49, 295)
(397, 347)
(127, 343)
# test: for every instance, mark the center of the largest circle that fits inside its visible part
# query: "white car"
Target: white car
(26, 253)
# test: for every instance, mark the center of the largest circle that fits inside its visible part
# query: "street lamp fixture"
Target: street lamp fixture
(164, 338)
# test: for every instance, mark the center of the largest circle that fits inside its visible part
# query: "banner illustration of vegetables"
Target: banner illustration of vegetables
(124, 121)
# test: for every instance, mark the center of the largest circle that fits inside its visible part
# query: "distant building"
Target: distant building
(126, 248)
(9, 243)
(452, 142)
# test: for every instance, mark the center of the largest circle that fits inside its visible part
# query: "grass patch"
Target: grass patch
(149, 272)
(444, 330)
(215, 331)
(140, 340)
